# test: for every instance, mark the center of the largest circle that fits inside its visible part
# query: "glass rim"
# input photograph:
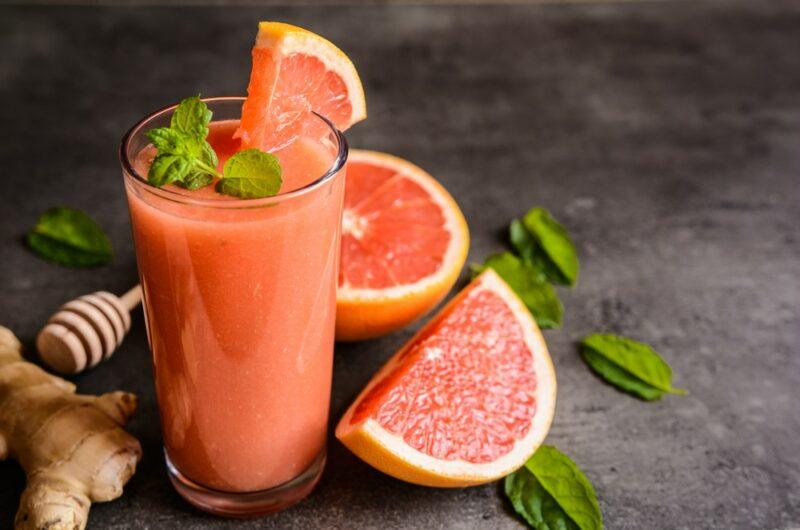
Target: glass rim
(129, 171)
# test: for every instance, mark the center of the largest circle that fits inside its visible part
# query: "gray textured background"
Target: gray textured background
(665, 135)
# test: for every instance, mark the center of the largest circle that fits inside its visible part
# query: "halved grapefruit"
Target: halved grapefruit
(296, 72)
(466, 401)
(404, 241)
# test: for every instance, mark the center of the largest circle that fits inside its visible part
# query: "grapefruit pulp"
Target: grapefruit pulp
(466, 401)
(404, 241)
(296, 72)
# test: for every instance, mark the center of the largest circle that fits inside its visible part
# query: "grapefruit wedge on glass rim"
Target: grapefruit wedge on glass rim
(466, 401)
(404, 242)
(297, 72)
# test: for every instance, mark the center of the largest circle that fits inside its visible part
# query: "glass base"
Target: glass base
(247, 504)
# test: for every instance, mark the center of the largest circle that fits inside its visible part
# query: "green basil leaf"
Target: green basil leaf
(71, 238)
(530, 500)
(528, 249)
(629, 365)
(251, 174)
(555, 243)
(525, 280)
(569, 488)
(191, 117)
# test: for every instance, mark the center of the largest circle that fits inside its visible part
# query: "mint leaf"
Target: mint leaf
(179, 156)
(167, 169)
(619, 377)
(528, 249)
(475, 269)
(551, 493)
(69, 237)
(556, 246)
(251, 174)
(525, 280)
(530, 500)
(191, 117)
(165, 139)
(184, 156)
(522, 240)
(208, 155)
(195, 180)
(631, 366)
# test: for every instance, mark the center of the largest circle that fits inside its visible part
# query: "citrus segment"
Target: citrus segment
(296, 72)
(404, 241)
(464, 402)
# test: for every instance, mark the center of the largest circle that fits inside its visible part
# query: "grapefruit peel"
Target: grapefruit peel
(364, 312)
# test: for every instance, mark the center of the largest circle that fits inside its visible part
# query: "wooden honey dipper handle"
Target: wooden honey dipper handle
(132, 298)
(86, 330)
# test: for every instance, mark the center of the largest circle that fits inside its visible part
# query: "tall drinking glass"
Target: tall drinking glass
(239, 301)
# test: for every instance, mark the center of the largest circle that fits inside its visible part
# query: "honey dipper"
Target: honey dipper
(86, 330)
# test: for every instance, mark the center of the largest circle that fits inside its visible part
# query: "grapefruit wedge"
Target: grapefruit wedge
(404, 241)
(296, 72)
(466, 401)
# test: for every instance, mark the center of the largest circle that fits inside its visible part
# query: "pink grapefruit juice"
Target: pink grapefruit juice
(240, 307)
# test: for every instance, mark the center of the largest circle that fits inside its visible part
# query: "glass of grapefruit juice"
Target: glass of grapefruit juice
(239, 301)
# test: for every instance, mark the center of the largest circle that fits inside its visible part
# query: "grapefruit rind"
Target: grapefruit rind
(363, 313)
(390, 454)
(287, 39)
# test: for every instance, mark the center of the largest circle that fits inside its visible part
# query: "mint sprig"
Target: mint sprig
(185, 158)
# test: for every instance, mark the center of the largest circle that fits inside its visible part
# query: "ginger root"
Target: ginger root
(72, 447)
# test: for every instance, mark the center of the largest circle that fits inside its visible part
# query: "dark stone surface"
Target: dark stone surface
(664, 135)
